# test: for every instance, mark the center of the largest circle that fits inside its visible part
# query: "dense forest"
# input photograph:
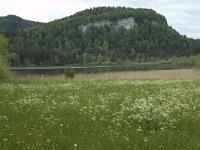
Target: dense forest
(64, 42)
(11, 23)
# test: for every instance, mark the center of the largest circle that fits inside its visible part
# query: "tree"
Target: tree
(86, 58)
(69, 72)
(4, 58)
(105, 47)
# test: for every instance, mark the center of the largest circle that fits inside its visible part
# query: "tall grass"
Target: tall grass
(154, 74)
(100, 115)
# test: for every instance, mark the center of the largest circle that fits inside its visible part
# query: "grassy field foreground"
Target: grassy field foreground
(100, 115)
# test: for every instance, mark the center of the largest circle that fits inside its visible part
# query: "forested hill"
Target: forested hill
(11, 23)
(101, 35)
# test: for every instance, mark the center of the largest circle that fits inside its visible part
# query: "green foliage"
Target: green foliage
(5, 73)
(191, 60)
(11, 23)
(4, 55)
(69, 72)
(196, 62)
(4, 58)
(63, 42)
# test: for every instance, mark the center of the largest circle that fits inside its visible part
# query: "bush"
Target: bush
(69, 72)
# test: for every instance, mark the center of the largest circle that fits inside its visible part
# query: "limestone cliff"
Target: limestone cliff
(126, 23)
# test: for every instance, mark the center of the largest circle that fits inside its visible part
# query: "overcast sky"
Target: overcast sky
(183, 15)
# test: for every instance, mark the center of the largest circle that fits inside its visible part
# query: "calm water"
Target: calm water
(96, 69)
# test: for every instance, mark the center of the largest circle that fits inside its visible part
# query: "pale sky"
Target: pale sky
(182, 15)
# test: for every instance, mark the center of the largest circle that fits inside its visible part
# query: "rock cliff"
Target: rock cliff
(126, 23)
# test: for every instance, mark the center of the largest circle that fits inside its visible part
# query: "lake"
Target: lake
(54, 70)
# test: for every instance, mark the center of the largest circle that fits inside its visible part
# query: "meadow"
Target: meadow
(95, 114)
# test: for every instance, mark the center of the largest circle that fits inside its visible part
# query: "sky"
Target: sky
(182, 15)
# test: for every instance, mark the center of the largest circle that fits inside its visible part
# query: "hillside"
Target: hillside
(11, 23)
(101, 35)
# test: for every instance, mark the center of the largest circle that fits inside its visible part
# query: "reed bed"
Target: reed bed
(155, 74)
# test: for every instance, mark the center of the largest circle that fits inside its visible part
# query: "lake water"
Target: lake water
(96, 69)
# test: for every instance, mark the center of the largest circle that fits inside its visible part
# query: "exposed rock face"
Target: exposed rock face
(102, 23)
(126, 23)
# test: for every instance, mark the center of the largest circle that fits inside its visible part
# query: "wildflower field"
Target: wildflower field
(100, 115)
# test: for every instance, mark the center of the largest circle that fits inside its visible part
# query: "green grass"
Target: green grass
(100, 115)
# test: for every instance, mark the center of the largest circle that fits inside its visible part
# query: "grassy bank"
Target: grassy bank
(100, 115)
